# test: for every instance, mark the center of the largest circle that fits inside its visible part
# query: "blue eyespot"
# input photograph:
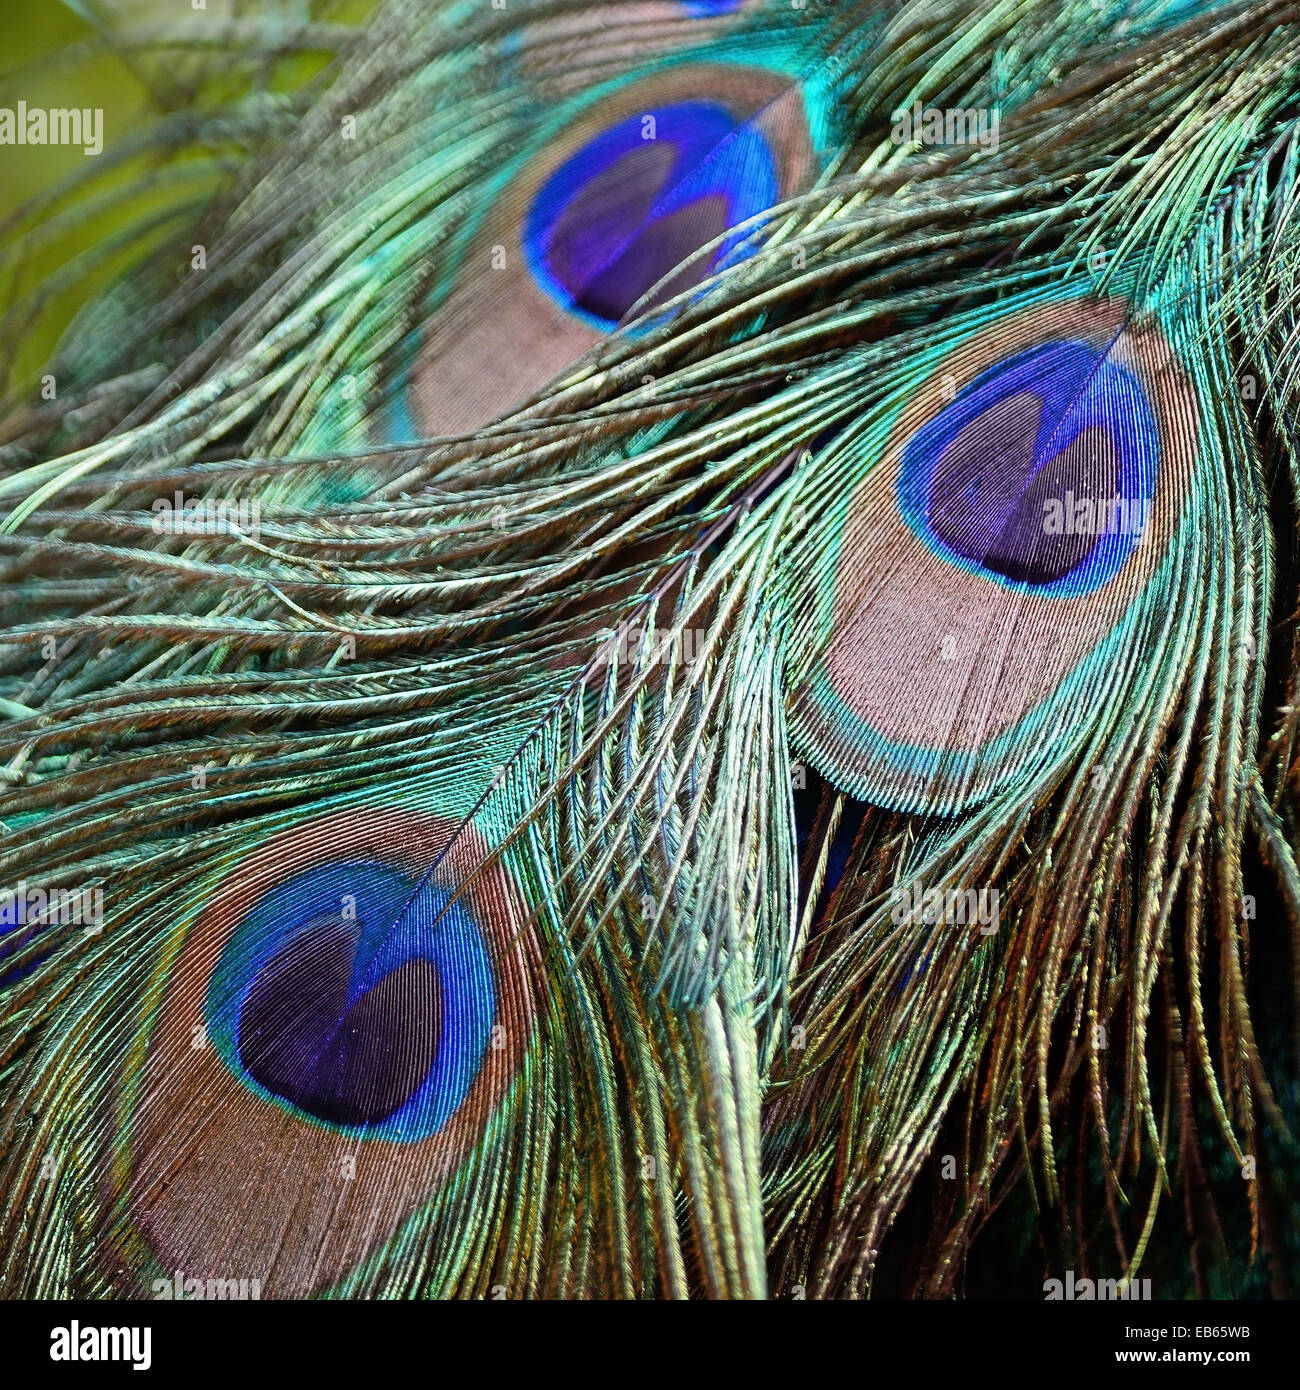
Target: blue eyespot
(1039, 473)
(639, 199)
(358, 995)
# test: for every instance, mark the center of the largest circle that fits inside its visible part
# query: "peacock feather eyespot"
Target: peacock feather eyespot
(1004, 551)
(349, 997)
(710, 7)
(642, 198)
(561, 51)
(623, 196)
(1048, 434)
(320, 1002)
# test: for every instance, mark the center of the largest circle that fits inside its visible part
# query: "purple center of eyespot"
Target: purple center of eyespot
(990, 497)
(359, 996)
(340, 1058)
(631, 206)
(1040, 471)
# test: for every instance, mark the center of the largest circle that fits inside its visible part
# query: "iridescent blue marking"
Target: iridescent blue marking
(1077, 389)
(624, 210)
(385, 919)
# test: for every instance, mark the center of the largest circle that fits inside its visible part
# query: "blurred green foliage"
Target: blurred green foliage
(73, 53)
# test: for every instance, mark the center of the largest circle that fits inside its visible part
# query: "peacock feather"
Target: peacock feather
(649, 651)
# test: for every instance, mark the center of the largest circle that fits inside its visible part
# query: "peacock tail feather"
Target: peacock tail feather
(639, 663)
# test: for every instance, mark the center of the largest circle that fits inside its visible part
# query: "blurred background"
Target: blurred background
(68, 221)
